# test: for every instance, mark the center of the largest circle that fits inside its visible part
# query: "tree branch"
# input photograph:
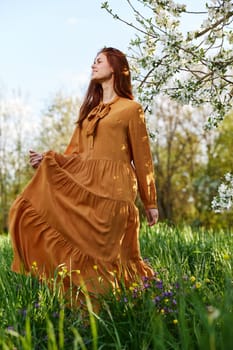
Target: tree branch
(214, 25)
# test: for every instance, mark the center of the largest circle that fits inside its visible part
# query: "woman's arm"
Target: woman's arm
(142, 159)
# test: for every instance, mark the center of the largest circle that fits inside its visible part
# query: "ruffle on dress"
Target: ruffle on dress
(78, 217)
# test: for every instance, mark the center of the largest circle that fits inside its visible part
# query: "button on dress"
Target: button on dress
(78, 215)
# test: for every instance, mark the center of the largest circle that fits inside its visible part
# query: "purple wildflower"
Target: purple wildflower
(157, 300)
(145, 278)
(166, 309)
(159, 284)
(167, 294)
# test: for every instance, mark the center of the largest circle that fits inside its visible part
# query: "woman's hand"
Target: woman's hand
(152, 216)
(35, 158)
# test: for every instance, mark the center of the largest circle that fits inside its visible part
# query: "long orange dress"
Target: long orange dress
(78, 212)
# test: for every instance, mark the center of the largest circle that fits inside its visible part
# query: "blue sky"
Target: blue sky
(49, 45)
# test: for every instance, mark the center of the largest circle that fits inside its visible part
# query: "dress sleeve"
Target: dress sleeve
(142, 159)
(72, 147)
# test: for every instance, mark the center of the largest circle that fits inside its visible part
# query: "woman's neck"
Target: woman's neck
(108, 93)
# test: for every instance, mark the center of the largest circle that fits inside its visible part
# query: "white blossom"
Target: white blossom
(224, 200)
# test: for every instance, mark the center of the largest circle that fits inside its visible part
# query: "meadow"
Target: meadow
(187, 305)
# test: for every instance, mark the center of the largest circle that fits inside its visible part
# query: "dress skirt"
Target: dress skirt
(78, 218)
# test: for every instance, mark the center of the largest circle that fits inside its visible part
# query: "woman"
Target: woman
(77, 215)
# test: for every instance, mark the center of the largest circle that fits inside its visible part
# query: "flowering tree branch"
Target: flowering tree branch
(193, 67)
(224, 199)
(214, 25)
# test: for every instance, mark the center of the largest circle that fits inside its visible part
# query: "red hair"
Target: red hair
(122, 82)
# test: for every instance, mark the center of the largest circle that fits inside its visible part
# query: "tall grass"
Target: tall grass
(188, 304)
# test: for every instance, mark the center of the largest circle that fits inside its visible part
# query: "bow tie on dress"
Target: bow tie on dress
(94, 117)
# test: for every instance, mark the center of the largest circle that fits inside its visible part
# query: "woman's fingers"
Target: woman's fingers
(35, 158)
(152, 216)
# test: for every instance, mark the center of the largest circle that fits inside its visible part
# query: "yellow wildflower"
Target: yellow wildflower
(175, 321)
(198, 285)
(63, 271)
(134, 284)
(192, 279)
(34, 266)
(95, 267)
(226, 257)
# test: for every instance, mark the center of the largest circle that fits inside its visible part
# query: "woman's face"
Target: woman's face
(101, 69)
